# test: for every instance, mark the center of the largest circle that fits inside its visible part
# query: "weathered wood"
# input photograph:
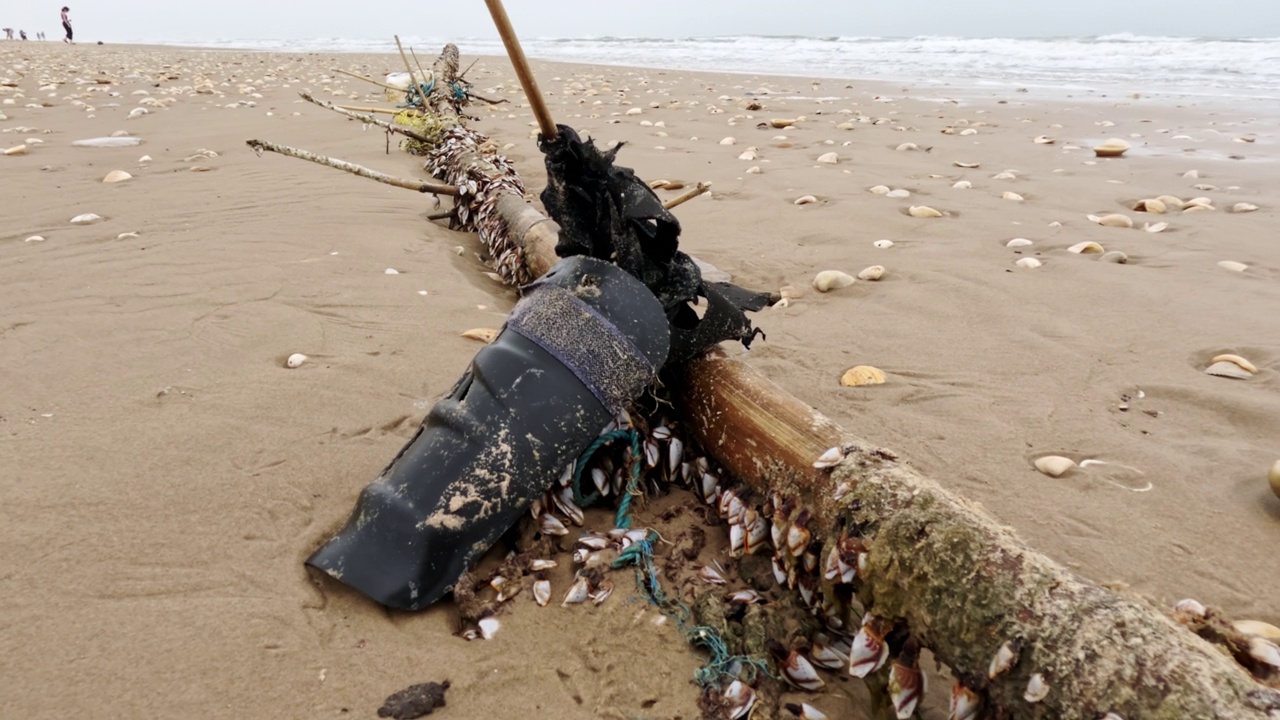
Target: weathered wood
(424, 186)
(537, 103)
(369, 119)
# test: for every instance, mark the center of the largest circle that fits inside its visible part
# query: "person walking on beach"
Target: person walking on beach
(66, 24)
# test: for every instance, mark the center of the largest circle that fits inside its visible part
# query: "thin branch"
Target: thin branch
(391, 127)
(367, 79)
(412, 78)
(423, 186)
(692, 193)
(482, 98)
(380, 111)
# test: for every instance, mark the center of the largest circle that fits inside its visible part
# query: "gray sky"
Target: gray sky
(118, 20)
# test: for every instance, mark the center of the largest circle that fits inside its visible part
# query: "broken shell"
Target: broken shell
(738, 699)
(116, 176)
(883, 244)
(489, 627)
(1152, 206)
(832, 457)
(1243, 363)
(1155, 227)
(295, 360)
(1054, 465)
(1113, 220)
(1228, 370)
(86, 219)
(1191, 606)
(1028, 262)
(1037, 689)
(964, 703)
(1006, 657)
(860, 375)
(484, 335)
(542, 592)
(1087, 248)
(1273, 477)
(1115, 256)
(805, 200)
(829, 158)
(1243, 207)
(1232, 265)
(1009, 195)
(872, 273)
(1257, 628)
(1115, 147)
(923, 211)
(540, 564)
(829, 280)
(1017, 243)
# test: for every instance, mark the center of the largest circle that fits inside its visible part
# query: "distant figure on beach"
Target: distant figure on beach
(8, 33)
(66, 25)
(22, 34)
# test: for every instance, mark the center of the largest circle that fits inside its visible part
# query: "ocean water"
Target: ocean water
(1178, 66)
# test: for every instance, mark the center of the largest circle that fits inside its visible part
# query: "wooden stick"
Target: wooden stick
(412, 78)
(415, 62)
(424, 186)
(366, 79)
(690, 194)
(392, 127)
(521, 64)
(380, 111)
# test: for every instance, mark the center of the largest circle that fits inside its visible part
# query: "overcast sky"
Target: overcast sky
(119, 20)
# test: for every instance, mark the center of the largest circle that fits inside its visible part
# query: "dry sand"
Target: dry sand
(164, 476)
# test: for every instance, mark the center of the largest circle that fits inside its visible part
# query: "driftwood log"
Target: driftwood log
(934, 570)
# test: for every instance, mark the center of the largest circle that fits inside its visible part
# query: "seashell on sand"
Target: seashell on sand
(967, 165)
(1087, 248)
(1112, 220)
(829, 158)
(87, 219)
(1171, 202)
(1152, 205)
(1243, 207)
(16, 150)
(1273, 477)
(829, 280)
(748, 154)
(35, 238)
(1029, 262)
(963, 185)
(1115, 147)
(923, 211)
(1055, 465)
(1232, 265)
(295, 360)
(1237, 360)
(484, 335)
(872, 273)
(898, 193)
(860, 375)
(907, 147)
(116, 176)
(1044, 140)
(754, 170)
(1017, 243)
(879, 190)
(1114, 256)
(1004, 176)
(883, 244)
(1010, 195)
(728, 141)
(1228, 370)
(781, 122)
(805, 200)
(1155, 227)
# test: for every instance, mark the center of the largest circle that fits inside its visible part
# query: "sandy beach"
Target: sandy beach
(164, 474)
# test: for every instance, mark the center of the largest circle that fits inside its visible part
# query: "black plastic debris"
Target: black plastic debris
(414, 701)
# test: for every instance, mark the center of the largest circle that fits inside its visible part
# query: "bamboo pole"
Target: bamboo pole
(688, 195)
(423, 186)
(521, 64)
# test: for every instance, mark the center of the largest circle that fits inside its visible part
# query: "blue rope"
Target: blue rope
(623, 518)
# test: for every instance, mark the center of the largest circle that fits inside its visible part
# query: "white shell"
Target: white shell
(898, 193)
(1044, 140)
(1001, 661)
(728, 141)
(829, 280)
(907, 146)
(1037, 689)
(1087, 248)
(1236, 359)
(963, 185)
(829, 158)
(87, 219)
(1264, 651)
(1191, 606)
(35, 238)
(1243, 207)
(295, 360)
(873, 273)
(1113, 220)
(883, 244)
(116, 176)
(805, 200)
(1228, 370)
(923, 211)
(832, 457)
(1054, 465)
(1028, 262)
(1017, 243)
(1115, 147)
(880, 190)
(1155, 227)
(1009, 195)
(16, 150)
(1232, 265)
(489, 627)
(1114, 256)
